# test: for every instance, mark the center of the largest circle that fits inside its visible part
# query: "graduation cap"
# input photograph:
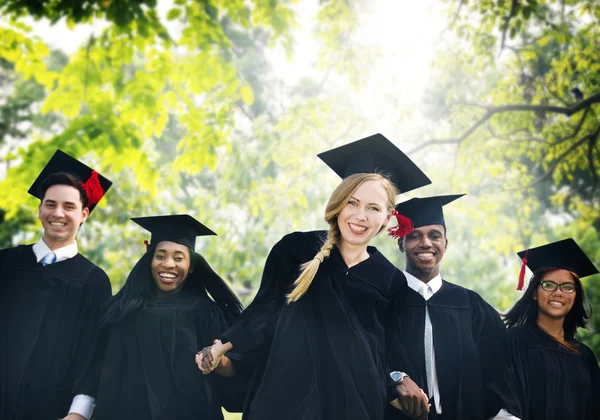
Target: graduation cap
(178, 228)
(564, 254)
(94, 184)
(376, 154)
(418, 212)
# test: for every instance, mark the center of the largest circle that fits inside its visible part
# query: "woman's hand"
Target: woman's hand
(209, 358)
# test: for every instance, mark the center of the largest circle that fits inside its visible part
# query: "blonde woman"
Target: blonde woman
(317, 329)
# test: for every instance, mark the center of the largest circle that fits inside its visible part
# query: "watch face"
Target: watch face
(396, 376)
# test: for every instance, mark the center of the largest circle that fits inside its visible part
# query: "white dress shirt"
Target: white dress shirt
(436, 284)
(82, 404)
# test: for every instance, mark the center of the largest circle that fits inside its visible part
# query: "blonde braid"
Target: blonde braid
(310, 268)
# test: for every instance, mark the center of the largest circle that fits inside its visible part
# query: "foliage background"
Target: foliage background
(195, 107)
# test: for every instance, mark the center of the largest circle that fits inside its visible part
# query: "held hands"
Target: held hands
(412, 400)
(208, 358)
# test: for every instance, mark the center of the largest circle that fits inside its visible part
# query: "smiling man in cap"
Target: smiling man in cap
(456, 343)
(50, 302)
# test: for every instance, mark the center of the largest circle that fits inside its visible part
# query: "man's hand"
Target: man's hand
(74, 416)
(413, 401)
(209, 358)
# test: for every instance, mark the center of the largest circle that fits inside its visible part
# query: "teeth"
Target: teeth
(558, 304)
(168, 275)
(57, 224)
(357, 227)
(425, 254)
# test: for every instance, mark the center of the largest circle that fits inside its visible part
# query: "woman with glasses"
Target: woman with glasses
(558, 376)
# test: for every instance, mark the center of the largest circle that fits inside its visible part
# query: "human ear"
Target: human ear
(401, 245)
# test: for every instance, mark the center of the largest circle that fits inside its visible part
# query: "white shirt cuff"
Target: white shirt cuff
(83, 405)
(504, 415)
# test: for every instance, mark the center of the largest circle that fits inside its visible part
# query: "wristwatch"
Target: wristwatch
(398, 377)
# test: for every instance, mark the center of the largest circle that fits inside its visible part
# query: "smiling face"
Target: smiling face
(61, 214)
(424, 247)
(556, 304)
(364, 215)
(170, 266)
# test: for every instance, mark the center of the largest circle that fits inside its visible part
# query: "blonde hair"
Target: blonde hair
(338, 200)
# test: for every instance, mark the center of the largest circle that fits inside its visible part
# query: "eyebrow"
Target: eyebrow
(370, 204)
(176, 252)
(554, 281)
(49, 200)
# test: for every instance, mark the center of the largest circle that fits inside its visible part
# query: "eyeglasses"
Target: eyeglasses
(551, 286)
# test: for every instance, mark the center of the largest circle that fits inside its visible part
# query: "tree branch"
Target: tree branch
(575, 131)
(590, 156)
(454, 19)
(554, 165)
(491, 111)
(514, 8)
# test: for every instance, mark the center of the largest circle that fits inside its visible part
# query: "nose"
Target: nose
(168, 263)
(361, 214)
(58, 211)
(425, 242)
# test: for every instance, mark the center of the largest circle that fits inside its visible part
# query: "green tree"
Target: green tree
(517, 96)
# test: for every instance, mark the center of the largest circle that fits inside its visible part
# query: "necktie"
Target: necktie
(426, 292)
(49, 258)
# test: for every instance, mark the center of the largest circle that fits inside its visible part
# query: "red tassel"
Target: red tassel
(93, 189)
(405, 226)
(147, 244)
(522, 272)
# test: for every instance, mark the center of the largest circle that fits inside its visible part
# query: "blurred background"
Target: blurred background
(218, 108)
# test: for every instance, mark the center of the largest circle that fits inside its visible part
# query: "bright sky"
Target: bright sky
(402, 33)
(405, 30)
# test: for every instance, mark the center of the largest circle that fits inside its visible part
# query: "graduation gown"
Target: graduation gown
(149, 370)
(471, 353)
(553, 383)
(324, 356)
(49, 331)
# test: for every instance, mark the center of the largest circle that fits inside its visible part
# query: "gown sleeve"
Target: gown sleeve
(395, 349)
(211, 321)
(595, 373)
(519, 358)
(88, 361)
(494, 352)
(256, 324)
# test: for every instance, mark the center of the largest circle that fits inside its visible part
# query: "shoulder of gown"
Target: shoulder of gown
(16, 255)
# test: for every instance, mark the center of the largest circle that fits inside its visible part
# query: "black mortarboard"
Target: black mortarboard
(564, 254)
(426, 211)
(94, 184)
(178, 228)
(376, 154)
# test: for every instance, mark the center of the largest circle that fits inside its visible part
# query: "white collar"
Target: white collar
(40, 249)
(416, 284)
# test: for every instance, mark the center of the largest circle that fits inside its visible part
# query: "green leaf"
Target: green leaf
(247, 94)
(173, 14)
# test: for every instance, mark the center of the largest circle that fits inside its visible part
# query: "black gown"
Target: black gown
(324, 356)
(554, 384)
(49, 331)
(149, 370)
(471, 353)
